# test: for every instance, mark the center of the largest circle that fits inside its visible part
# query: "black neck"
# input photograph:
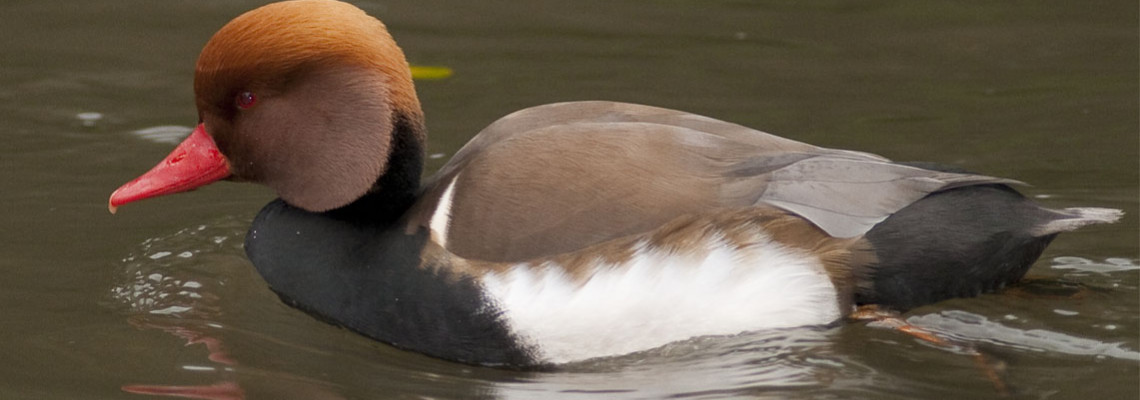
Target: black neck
(372, 279)
(395, 190)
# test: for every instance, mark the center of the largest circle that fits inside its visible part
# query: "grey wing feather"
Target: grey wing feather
(846, 197)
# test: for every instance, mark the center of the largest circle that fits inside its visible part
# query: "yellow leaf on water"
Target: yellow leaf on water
(430, 72)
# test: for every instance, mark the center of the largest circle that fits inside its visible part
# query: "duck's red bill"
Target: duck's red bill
(194, 163)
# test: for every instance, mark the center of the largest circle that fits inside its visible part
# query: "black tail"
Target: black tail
(963, 242)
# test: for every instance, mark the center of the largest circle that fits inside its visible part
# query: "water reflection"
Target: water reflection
(756, 362)
(1081, 264)
(166, 286)
(971, 327)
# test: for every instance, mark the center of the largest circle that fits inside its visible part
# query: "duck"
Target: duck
(568, 231)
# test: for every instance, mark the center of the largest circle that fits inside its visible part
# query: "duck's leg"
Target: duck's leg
(883, 318)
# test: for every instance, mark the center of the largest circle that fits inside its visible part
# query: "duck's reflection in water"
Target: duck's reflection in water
(187, 284)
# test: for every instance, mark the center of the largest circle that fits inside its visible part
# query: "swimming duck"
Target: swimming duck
(565, 231)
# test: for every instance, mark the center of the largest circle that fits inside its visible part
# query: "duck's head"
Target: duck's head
(303, 96)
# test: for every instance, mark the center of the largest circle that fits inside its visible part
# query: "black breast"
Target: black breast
(368, 277)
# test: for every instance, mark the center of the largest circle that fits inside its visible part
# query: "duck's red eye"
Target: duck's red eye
(245, 100)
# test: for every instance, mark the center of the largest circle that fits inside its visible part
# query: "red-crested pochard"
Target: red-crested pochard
(565, 231)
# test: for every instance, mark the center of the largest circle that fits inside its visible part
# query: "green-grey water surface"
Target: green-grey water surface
(161, 298)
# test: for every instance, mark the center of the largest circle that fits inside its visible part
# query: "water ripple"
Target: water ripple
(1109, 265)
(968, 326)
(173, 276)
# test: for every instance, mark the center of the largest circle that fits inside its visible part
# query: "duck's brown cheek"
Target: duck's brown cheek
(196, 162)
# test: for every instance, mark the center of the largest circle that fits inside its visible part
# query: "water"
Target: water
(161, 298)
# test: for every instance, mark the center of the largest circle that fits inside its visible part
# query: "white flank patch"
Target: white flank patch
(656, 298)
(441, 218)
